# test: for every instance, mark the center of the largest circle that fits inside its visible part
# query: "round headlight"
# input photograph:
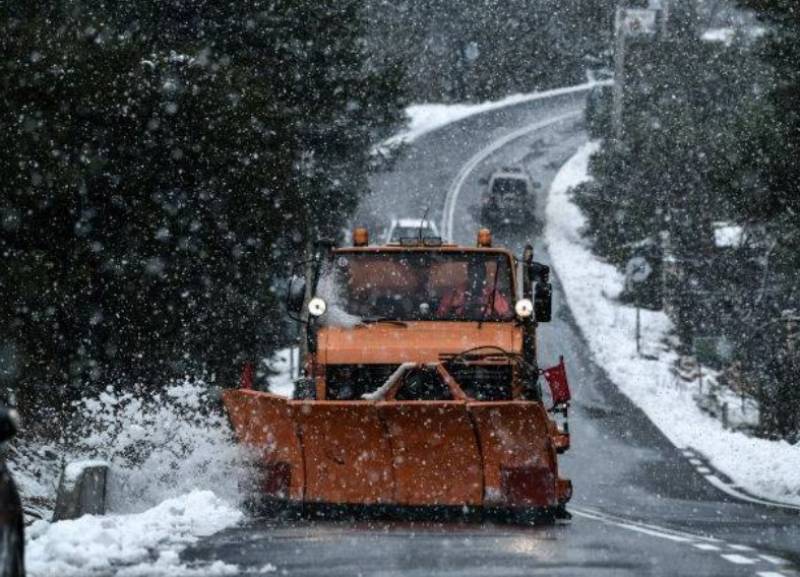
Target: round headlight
(317, 307)
(523, 308)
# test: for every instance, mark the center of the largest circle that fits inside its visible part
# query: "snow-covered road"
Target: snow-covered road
(641, 506)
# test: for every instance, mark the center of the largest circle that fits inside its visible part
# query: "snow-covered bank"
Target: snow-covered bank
(160, 444)
(424, 118)
(176, 475)
(770, 469)
(140, 544)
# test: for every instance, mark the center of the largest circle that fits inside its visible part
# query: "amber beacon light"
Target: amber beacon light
(360, 237)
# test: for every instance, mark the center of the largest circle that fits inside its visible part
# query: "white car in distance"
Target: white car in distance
(410, 228)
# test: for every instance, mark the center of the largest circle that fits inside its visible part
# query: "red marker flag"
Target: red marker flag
(246, 381)
(556, 378)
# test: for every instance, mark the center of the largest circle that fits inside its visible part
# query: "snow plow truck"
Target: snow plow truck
(421, 386)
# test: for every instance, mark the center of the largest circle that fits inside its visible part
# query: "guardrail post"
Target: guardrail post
(81, 490)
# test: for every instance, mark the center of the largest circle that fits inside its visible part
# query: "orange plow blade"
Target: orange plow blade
(416, 453)
(265, 423)
(347, 455)
(518, 462)
(436, 456)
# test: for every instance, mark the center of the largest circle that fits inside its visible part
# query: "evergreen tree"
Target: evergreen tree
(775, 207)
(777, 204)
(155, 179)
(482, 49)
(710, 134)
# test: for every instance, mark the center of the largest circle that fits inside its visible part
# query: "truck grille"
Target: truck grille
(349, 382)
(483, 382)
(479, 382)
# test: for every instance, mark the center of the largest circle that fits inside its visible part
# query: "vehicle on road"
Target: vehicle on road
(12, 527)
(508, 199)
(410, 229)
(422, 385)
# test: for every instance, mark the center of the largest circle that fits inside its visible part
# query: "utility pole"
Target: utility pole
(630, 22)
(619, 74)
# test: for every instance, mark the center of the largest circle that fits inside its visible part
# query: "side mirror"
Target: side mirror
(483, 181)
(540, 273)
(542, 292)
(8, 424)
(543, 302)
(296, 294)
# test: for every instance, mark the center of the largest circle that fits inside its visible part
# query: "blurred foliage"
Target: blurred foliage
(477, 50)
(710, 134)
(777, 208)
(162, 163)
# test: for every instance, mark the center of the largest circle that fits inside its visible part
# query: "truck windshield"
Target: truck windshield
(418, 285)
(512, 187)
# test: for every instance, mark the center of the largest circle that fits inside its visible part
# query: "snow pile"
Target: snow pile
(160, 444)
(727, 35)
(142, 544)
(168, 449)
(767, 468)
(723, 35)
(423, 118)
(727, 234)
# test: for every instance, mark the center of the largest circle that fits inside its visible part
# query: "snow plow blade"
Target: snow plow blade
(519, 466)
(264, 422)
(348, 458)
(436, 456)
(409, 453)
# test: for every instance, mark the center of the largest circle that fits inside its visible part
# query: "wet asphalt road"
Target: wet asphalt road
(640, 507)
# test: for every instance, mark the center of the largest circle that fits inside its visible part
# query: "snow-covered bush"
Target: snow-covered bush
(160, 445)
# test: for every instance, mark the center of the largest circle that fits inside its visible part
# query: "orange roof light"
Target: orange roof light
(484, 237)
(360, 237)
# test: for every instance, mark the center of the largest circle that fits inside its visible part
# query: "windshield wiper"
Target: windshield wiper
(494, 292)
(372, 320)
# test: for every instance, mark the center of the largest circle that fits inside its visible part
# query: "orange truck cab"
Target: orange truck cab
(421, 383)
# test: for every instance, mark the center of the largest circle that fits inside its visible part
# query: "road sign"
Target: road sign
(638, 21)
(638, 269)
(711, 349)
(629, 22)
